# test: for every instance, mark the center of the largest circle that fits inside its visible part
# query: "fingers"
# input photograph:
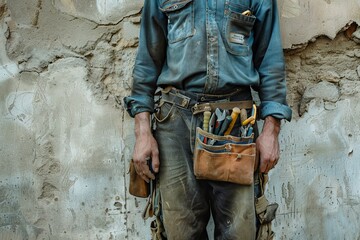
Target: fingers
(155, 161)
(266, 164)
(142, 168)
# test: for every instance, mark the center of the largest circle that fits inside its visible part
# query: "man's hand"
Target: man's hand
(146, 147)
(268, 144)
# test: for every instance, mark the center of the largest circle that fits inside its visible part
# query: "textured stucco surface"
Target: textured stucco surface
(66, 141)
(302, 20)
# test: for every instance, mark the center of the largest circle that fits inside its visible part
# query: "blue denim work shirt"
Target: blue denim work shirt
(213, 47)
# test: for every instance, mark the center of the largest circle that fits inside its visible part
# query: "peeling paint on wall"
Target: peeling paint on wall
(303, 20)
(100, 11)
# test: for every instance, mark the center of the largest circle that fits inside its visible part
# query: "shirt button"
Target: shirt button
(212, 39)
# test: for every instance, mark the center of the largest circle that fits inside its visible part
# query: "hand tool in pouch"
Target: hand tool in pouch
(243, 117)
(207, 115)
(225, 125)
(212, 123)
(234, 116)
(220, 117)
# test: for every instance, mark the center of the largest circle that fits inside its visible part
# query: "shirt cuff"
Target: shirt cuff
(275, 109)
(138, 104)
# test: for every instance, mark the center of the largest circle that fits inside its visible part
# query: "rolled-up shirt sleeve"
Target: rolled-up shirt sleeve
(269, 62)
(149, 60)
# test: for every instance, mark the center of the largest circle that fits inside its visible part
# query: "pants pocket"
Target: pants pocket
(164, 112)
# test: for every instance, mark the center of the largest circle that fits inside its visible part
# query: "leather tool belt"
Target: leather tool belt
(220, 156)
(173, 96)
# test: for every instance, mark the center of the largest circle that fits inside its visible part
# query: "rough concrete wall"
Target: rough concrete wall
(65, 140)
(63, 134)
(315, 182)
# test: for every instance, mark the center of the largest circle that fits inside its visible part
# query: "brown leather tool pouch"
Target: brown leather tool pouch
(229, 158)
(137, 186)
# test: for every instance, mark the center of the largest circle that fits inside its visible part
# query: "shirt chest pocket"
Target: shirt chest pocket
(237, 27)
(180, 15)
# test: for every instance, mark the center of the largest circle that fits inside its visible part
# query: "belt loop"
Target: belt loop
(171, 95)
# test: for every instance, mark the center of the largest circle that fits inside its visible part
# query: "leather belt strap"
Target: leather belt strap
(200, 107)
(186, 102)
(175, 98)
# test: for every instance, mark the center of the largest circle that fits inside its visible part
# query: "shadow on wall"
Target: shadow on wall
(100, 11)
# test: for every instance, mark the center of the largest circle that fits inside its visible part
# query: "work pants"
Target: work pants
(187, 202)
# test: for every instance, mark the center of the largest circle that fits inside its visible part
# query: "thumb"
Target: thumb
(155, 162)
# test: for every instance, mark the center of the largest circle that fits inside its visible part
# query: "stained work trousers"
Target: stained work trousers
(186, 201)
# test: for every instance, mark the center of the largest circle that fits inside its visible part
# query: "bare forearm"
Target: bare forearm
(271, 126)
(142, 124)
(268, 144)
(145, 147)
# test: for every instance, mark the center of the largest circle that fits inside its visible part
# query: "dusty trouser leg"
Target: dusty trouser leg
(233, 211)
(233, 208)
(184, 201)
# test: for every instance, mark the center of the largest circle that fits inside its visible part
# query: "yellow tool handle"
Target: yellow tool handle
(243, 116)
(234, 115)
(252, 118)
(247, 13)
(254, 114)
(207, 115)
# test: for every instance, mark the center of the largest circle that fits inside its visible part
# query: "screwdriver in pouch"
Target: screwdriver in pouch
(212, 123)
(243, 117)
(220, 117)
(225, 125)
(234, 116)
(207, 115)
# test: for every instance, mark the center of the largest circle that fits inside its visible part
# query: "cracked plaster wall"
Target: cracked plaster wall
(65, 140)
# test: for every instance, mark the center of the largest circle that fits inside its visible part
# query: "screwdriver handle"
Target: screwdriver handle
(243, 115)
(207, 115)
(234, 115)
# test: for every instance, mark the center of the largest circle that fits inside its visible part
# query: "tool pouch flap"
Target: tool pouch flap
(230, 159)
(137, 186)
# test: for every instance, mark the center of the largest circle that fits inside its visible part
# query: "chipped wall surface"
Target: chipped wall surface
(66, 141)
(304, 19)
